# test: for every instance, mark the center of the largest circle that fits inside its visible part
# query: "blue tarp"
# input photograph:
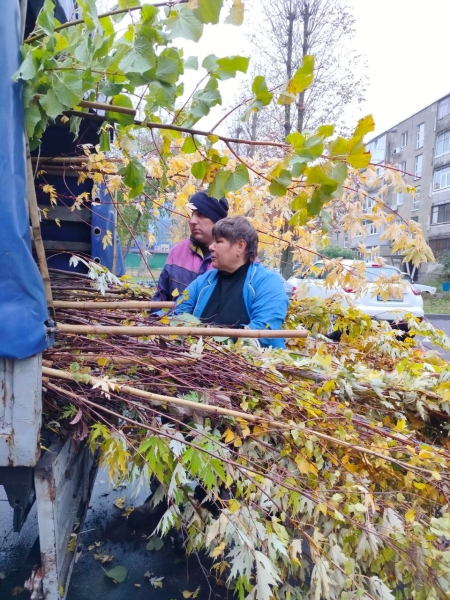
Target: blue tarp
(23, 309)
(103, 219)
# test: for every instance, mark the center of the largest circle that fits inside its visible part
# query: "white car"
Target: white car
(393, 310)
(423, 289)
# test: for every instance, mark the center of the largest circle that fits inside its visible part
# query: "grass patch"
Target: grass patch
(439, 306)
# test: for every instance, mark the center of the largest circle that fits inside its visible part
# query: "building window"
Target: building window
(379, 171)
(416, 199)
(402, 168)
(371, 229)
(444, 108)
(443, 143)
(439, 246)
(440, 214)
(399, 198)
(336, 237)
(420, 135)
(368, 203)
(404, 139)
(415, 219)
(441, 179)
(418, 166)
(345, 240)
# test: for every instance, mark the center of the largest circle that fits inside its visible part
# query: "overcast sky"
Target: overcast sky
(405, 42)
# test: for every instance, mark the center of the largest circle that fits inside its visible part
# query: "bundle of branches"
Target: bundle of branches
(325, 467)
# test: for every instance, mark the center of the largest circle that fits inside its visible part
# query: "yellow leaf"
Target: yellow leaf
(58, 222)
(418, 485)
(410, 515)
(436, 475)
(119, 502)
(165, 320)
(175, 293)
(425, 454)
(229, 436)
(102, 361)
(401, 425)
(237, 442)
(187, 594)
(233, 506)
(107, 239)
(218, 550)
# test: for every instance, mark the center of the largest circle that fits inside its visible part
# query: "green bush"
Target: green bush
(337, 252)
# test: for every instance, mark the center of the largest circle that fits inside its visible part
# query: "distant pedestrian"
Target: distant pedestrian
(190, 258)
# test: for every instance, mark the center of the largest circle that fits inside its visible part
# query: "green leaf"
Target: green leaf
(140, 57)
(339, 172)
(69, 89)
(296, 139)
(236, 16)
(46, 20)
(325, 130)
(286, 97)
(327, 221)
(237, 179)
(160, 95)
(316, 202)
(32, 118)
(125, 102)
(199, 169)
(303, 77)
(133, 176)
(128, 3)
(104, 142)
(365, 125)
(208, 11)
(148, 13)
(155, 543)
(205, 99)
(299, 201)
(27, 69)
(118, 573)
(51, 104)
(191, 63)
(183, 23)
(216, 188)
(74, 127)
(189, 146)
(232, 64)
(167, 70)
(277, 189)
(259, 88)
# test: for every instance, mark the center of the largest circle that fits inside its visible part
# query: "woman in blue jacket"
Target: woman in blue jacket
(237, 292)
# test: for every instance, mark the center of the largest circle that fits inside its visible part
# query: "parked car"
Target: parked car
(288, 287)
(423, 289)
(393, 310)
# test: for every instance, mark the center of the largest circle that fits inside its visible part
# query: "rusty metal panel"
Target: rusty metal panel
(63, 481)
(20, 411)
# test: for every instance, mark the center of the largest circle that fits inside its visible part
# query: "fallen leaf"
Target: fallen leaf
(119, 502)
(118, 574)
(188, 594)
(155, 543)
(156, 582)
(103, 558)
(137, 585)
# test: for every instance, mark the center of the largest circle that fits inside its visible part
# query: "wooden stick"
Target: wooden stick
(36, 228)
(160, 399)
(123, 360)
(126, 305)
(199, 331)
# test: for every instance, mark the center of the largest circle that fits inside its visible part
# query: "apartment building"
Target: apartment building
(420, 147)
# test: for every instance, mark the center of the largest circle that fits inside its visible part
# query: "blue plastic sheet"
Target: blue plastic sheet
(23, 309)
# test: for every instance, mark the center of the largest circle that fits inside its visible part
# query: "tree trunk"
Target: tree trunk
(130, 239)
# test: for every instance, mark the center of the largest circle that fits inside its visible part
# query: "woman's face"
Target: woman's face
(226, 256)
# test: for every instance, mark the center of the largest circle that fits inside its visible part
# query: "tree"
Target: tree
(337, 252)
(289, 30)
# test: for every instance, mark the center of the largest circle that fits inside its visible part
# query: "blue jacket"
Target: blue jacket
(264, 298)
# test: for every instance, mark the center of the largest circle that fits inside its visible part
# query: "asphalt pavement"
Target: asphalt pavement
(106, 536)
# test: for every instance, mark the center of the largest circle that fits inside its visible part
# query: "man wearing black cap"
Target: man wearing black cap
(190, 258)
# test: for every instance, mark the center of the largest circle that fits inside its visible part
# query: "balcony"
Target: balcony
(443, 124)
(442, 161)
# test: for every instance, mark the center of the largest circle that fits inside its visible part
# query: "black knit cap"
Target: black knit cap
(210, 207)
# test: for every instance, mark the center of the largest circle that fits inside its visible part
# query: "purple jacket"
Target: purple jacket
(185, 262)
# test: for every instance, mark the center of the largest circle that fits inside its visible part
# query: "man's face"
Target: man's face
(226, 256)
(201, 227)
